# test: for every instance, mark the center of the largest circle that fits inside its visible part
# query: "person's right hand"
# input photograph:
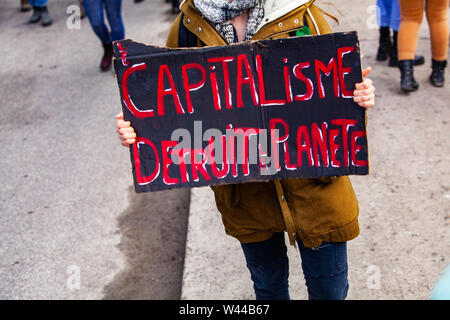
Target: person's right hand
(126, 132)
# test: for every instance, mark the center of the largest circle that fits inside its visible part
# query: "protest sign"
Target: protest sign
(256, 111)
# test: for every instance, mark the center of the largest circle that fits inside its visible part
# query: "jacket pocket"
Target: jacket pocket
(227, 195)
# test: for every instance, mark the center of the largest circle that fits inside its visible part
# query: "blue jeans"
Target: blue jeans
(325, 269)
(37, 3)
(388, 14)
(94, 11)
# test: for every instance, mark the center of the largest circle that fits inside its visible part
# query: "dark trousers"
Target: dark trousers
(325, 269)
(94, 11)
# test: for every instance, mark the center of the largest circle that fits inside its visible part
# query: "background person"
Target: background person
(175, 6)
(94, 11)
(24, 5)
(411, 18)
(388, 17)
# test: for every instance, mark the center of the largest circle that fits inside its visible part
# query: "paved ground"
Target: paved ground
(404, 203)
(66, 198)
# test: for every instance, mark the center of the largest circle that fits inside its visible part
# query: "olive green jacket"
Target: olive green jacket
(314, 210)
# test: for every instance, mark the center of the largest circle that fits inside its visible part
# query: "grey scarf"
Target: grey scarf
(220, 12)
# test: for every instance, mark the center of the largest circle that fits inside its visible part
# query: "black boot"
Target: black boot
(36, 16)
(437, 75)
(407, 81)
(393, 61)
(385, 45)
(106, 62)
(46, 19)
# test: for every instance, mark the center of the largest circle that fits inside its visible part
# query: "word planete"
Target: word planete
(235, 152)
(272, 109)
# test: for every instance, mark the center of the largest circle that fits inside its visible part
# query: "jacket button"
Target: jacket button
(283, 198)
(280, 24)
(188, 20)
(296, 21)
(199, 29)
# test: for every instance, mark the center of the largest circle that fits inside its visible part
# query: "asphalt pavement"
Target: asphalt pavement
(71, 225)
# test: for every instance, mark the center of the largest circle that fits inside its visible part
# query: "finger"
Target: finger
(367, 104)
(119, 115)
(125, 143)
(364, 98)
(126, 130)
(128, 136)
(366, 71)
(360, 86)
(367, 83)
(364, 92)
(360, 99)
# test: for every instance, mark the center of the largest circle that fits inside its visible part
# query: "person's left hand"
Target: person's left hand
(364, 94)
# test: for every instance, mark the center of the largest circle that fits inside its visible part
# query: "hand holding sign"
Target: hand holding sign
(363, 95)
(364, 91)
(126, 132)
(304, 98)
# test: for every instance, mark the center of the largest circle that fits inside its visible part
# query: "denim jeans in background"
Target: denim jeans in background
(37, 3)
(325, 269)
(94, 11)
(388, 14)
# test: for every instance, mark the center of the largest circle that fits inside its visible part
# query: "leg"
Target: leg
(113, 11)
(411, 18)
(268, 264)
(40, 12)
(438, 22)
(175, 6)
(395, 17)
(395, 25)
(82, 11)
(325, 269)
(411, 15)
(38, 3)
(36, 15)
(24, 5)
(94, 12)
(46, 19)
(384, 12)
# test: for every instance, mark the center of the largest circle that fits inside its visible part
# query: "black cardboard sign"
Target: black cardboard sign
(257, 111)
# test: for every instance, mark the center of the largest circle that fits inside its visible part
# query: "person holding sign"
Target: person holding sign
(321, 214)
